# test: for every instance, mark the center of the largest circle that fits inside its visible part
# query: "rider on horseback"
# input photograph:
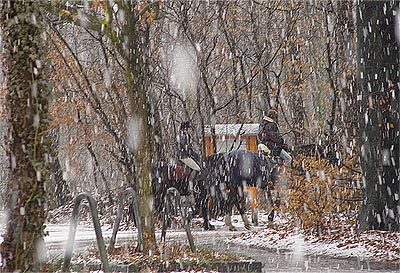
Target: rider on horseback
(190, 158)
(185, 150)
(270, 139)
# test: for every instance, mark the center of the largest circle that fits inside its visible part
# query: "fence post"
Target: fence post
(126, 193)
(174, 193)
(97, 228)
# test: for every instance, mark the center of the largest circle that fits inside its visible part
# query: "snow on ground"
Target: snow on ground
(374, 246)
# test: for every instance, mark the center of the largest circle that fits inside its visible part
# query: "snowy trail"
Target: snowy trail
(272, 259)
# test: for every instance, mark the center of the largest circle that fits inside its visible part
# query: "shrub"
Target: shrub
(319, 192)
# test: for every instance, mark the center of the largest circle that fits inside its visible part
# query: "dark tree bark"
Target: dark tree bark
(28, 138)
(378, 71)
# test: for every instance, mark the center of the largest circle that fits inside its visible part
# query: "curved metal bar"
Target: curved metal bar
(174, 193)
(126, 193)
(97, 228)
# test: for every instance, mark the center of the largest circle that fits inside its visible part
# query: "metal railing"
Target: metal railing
(97, 228)
(173, 193)
(129, 192)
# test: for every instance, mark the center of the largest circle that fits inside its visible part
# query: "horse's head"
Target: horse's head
(214, 168)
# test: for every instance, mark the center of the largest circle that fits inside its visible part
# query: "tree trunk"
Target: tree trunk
(139, 124)
(28, 139)
(142, 153)
(129, 34)
(378, 60)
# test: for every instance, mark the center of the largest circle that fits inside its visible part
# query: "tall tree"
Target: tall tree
(378, 60)
(126, 24)
(28, 139)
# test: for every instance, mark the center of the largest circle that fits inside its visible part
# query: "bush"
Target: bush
(319, 192)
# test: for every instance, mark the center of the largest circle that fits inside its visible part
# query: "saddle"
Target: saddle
(180, 172)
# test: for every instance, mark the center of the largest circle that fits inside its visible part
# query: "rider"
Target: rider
(185, 150)
(189, 157)
(270, 139)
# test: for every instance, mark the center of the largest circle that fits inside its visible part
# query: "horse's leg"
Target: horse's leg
(185, 207)
(252, 192)
(228, 222)
(271, 201)
(191, 190)
(245, 220)
(254, 205)
(240, 204)
(228, 209)
(201, 198)
(206, 221)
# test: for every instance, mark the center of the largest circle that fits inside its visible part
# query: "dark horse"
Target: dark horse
(187, 181)
(231, 172)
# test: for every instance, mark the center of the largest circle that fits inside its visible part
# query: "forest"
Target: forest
(94, 91)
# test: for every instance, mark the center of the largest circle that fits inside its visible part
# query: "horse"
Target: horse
(223, 177)
(310, 150)
(188, 182)
(231, 173)
(165, 175)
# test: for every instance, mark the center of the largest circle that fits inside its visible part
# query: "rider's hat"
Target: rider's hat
(273, 114)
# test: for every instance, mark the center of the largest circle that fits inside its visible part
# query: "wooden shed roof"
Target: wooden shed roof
(247, 129)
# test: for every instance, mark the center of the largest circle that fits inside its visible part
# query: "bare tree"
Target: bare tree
(126, 24)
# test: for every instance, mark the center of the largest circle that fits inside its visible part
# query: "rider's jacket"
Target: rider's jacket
(184, 146)
(268, 134)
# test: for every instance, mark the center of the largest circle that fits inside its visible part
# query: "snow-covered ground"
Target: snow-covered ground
(372, 246)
